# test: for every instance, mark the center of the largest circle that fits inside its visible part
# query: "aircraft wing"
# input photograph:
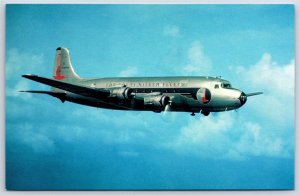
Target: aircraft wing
(77, 89)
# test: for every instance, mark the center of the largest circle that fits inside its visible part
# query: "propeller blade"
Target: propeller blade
(167, 108)
(252, 94)
(167, 114)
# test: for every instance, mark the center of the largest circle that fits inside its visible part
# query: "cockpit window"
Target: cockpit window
(225, 85)
(216, 86)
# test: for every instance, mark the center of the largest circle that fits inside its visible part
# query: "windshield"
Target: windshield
(226, 85)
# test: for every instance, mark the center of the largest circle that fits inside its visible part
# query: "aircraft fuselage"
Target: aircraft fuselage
(222, 99)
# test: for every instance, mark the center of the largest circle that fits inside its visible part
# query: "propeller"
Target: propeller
(243, 97)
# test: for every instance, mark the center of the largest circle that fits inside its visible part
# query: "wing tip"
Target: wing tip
(28, 75)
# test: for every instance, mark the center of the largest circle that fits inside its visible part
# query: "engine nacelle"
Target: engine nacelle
(204, 95)
(122, 93)
(156, 101)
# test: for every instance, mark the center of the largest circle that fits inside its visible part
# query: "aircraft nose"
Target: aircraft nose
(243, 98)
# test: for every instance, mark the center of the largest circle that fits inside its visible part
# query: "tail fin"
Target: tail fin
(63, 69)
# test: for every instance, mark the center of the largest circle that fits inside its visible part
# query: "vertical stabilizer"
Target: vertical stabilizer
(63, 69)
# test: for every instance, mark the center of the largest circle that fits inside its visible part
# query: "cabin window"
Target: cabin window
(216, 86)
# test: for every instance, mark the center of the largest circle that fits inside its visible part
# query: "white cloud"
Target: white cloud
(18, 63)
(276, 82)
(205, 137)
(229, 136)
(15, 91)
(121, 129)
(68, 133)
(255, 142)
(198, 62)
(172, 31)
(34, 138)
(269, 75)
(40, 143)
(129, 72)
(236, 136)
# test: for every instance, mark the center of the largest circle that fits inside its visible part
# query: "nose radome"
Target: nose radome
(243, 98)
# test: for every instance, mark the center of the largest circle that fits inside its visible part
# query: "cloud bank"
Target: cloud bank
(237, 136)
(198, 62)
(129, 72)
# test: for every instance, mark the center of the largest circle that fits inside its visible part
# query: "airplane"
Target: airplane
(193, 94)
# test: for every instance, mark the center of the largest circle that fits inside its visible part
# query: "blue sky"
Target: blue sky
(50, 145)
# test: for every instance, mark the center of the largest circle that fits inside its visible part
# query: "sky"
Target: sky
(50, 145)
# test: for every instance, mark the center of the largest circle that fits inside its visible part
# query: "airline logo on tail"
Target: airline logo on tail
(58, 75)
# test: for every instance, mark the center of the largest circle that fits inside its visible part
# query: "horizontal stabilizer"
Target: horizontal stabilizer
(77, 89)
(43, 92)
(59, 95)
(252, 94)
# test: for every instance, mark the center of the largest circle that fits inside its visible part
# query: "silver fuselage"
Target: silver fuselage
(222, 99)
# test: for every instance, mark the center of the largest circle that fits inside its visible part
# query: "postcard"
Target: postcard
(150, 97)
